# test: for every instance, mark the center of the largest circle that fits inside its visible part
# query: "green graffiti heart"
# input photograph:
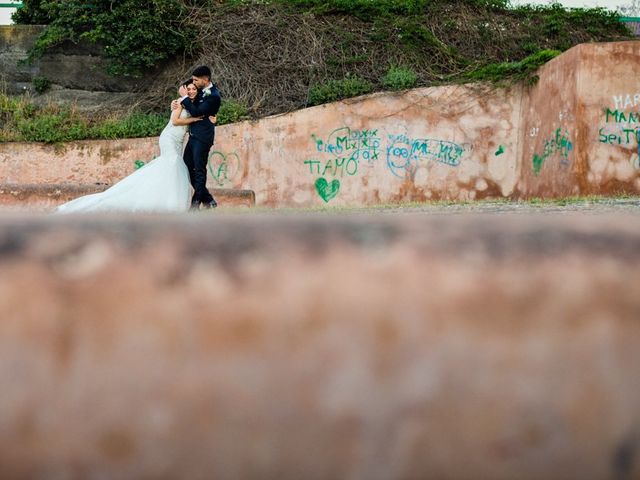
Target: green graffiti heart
(224, 168)
(325, 190)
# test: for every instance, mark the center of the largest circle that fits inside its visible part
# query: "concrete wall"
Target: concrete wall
(450, 142)
(572, 133)
(76, 71)
(609, 96)
(74, 162)
(581, 123)
(424, 144)
(548, 131)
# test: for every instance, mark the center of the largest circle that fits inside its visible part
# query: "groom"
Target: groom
(201, 134)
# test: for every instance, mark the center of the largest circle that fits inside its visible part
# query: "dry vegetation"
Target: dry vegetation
(268, 57)
(274, 56)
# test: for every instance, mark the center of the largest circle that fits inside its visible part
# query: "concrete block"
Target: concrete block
(320, 347)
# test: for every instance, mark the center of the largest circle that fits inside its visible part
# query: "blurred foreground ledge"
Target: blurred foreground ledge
(320, 347)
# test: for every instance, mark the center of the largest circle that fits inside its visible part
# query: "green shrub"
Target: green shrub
(134, 38)
(399, 78)
(66, 126)
(33, 12)
(338, 89)
(52, 128)
(133, 125)
(9, 104)
(41, 84)
(523, 70)
(232, 111)
(21, 121)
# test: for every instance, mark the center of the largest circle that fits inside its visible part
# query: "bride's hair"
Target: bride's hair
(187, 82)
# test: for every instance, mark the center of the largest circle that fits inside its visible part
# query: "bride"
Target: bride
(160, 186)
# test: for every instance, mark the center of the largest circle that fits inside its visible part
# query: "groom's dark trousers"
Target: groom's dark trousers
(196, 157)
(201, 137)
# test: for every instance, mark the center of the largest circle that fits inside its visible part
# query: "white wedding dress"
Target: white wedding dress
(160, 186)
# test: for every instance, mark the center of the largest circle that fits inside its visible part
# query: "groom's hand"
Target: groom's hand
(182, 91)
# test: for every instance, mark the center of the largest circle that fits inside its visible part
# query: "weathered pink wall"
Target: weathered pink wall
(570, 144)
(454, 142)
(423, 144)
(609, 81)
(88, 162)
(450, 142)
(549, 130)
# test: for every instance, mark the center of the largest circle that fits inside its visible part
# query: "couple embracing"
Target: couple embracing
(165, 184)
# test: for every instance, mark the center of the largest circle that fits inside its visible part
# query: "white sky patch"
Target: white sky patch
(608, 4)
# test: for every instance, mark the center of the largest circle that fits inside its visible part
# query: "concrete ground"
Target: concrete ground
(594, 205)
(585, 205)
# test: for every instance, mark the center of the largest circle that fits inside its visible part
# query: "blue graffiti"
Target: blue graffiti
(404, 153)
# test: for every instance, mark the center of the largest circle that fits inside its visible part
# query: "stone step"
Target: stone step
(44, 196)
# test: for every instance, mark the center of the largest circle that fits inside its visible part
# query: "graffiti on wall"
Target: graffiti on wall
(353, 144)
(404, 153)
(558, 143)
(622, 128)
(337, 167)
(344, 152)
(628, 100)
(224, 167)
(327, 190)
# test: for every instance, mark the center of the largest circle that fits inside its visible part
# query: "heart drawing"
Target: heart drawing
(224, 168)
(327, 190)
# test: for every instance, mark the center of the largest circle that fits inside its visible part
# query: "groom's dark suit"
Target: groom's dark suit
(201, 135)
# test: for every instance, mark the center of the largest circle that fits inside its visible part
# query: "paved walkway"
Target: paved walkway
(597, 205)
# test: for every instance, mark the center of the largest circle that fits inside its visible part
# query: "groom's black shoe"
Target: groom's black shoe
(195, 206)
(211, 204)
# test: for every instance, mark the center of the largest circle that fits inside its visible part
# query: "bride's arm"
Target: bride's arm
(177, 121)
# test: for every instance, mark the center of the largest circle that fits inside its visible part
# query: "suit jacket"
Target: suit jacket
(203, 105)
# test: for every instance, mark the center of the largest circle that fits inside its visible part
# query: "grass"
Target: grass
(399, 78)
(22, 121)
(334, 90)
(307, 52)
(576, 200)
(347, 48)
(524, 70)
